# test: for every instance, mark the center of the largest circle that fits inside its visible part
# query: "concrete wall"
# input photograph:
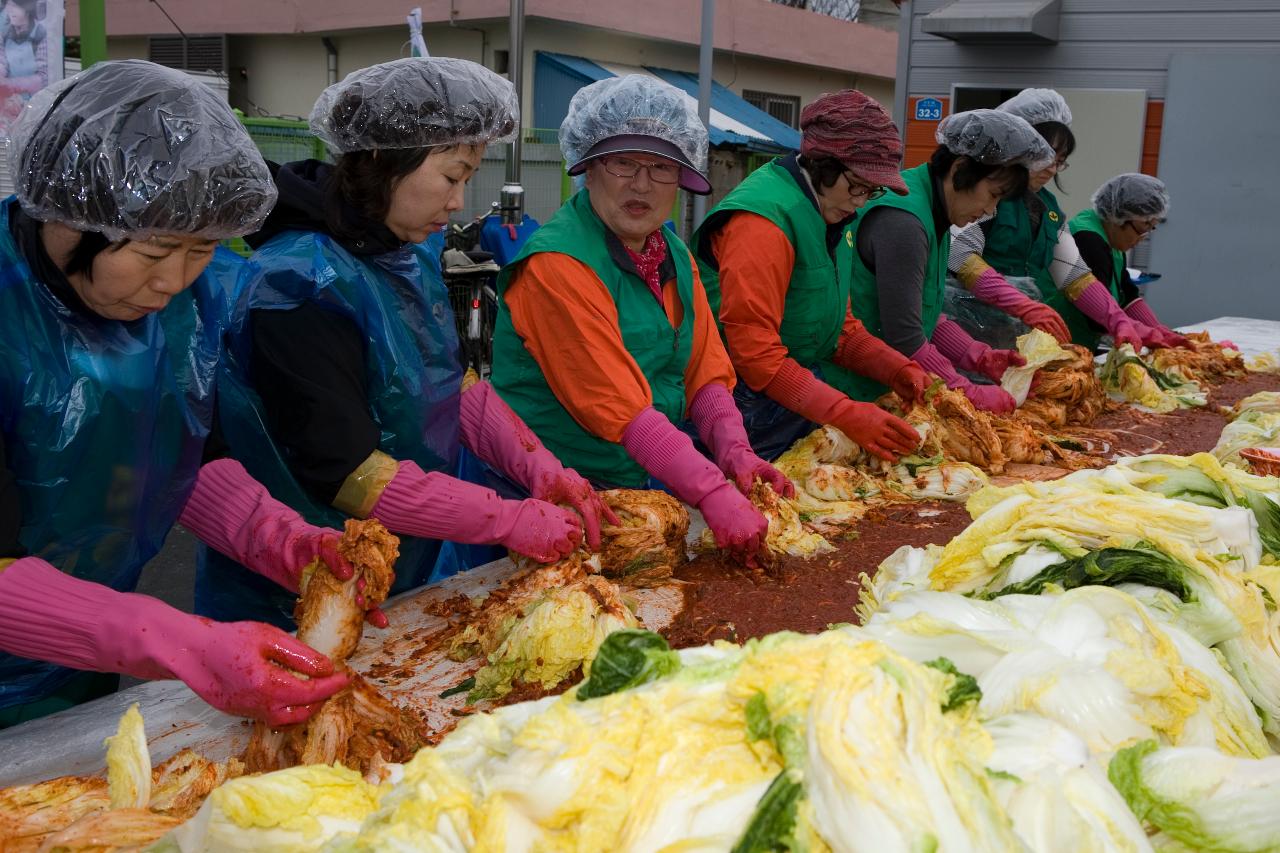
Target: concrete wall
(1216, 251)
(749, 27)
(1112, 45)
(283, 74)
(1103, 44)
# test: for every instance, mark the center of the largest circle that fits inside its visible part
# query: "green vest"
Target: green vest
(1088, 220)
(866, 297)
(661, 352)
(1012, 250)
(818, 292)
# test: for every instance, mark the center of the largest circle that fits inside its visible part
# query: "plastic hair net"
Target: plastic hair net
(417, 102)
(1036, 106)
(634, 104)
(995, 138)
(1131, 196)
(133, 149)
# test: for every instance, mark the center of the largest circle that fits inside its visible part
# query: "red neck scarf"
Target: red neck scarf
(649, 260)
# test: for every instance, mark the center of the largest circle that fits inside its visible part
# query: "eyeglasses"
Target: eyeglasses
(857, 189)
(1145, 227)
(1061, 164)
(625, 167)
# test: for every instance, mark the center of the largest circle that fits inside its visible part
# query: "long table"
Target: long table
(70, 742)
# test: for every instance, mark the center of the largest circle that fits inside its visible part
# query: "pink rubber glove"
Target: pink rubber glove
(1096, 303)
(992, 288)
(669, 455)
(243, 668)
(1161, 335)
(991, 398)
(235, 514)
(496, 434)
(720, 426)
(969, 354)
(437, 506)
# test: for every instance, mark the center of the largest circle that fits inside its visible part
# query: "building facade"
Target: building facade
(278, 55)
(1180, 89)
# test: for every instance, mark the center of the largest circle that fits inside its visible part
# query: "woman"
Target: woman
(1028, 237)
(127, 175)
(605, 340)
(24, 60)
(902, 243)
(342, 391)
(777, 268)
(1125, 210)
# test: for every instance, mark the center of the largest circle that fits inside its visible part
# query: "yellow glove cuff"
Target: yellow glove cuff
(362, 488)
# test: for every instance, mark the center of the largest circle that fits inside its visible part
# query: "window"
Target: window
(785, 108)
(193, 53)
(502, 61)
(980, 98)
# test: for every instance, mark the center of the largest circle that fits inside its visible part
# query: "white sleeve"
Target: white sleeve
(1067, 266)
(967, 241)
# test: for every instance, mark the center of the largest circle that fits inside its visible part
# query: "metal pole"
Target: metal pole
(512, 191)
(704, 91)
(902, 82)
(93, 32)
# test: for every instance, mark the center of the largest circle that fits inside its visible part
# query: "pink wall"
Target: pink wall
(752, 27)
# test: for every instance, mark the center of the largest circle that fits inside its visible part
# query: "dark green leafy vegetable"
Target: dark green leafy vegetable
(460, 687)
(964, 688)
(1108, 567)
(626, 659)
(774, 819)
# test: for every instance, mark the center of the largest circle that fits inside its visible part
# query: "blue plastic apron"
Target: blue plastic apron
(399, 302)
(105, 423)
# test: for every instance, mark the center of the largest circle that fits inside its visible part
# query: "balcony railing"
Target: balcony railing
(844, 10)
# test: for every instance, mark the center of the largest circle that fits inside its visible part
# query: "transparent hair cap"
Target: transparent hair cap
(1037, 106)
(995, 138)
(132, 149)
(418, 102)
(635, 104)
(1131, 196)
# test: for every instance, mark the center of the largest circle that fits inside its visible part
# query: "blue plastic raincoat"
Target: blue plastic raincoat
(105, 423)
(399, 302)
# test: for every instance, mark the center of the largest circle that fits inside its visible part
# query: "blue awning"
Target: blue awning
(784, 136)
(734, 122)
